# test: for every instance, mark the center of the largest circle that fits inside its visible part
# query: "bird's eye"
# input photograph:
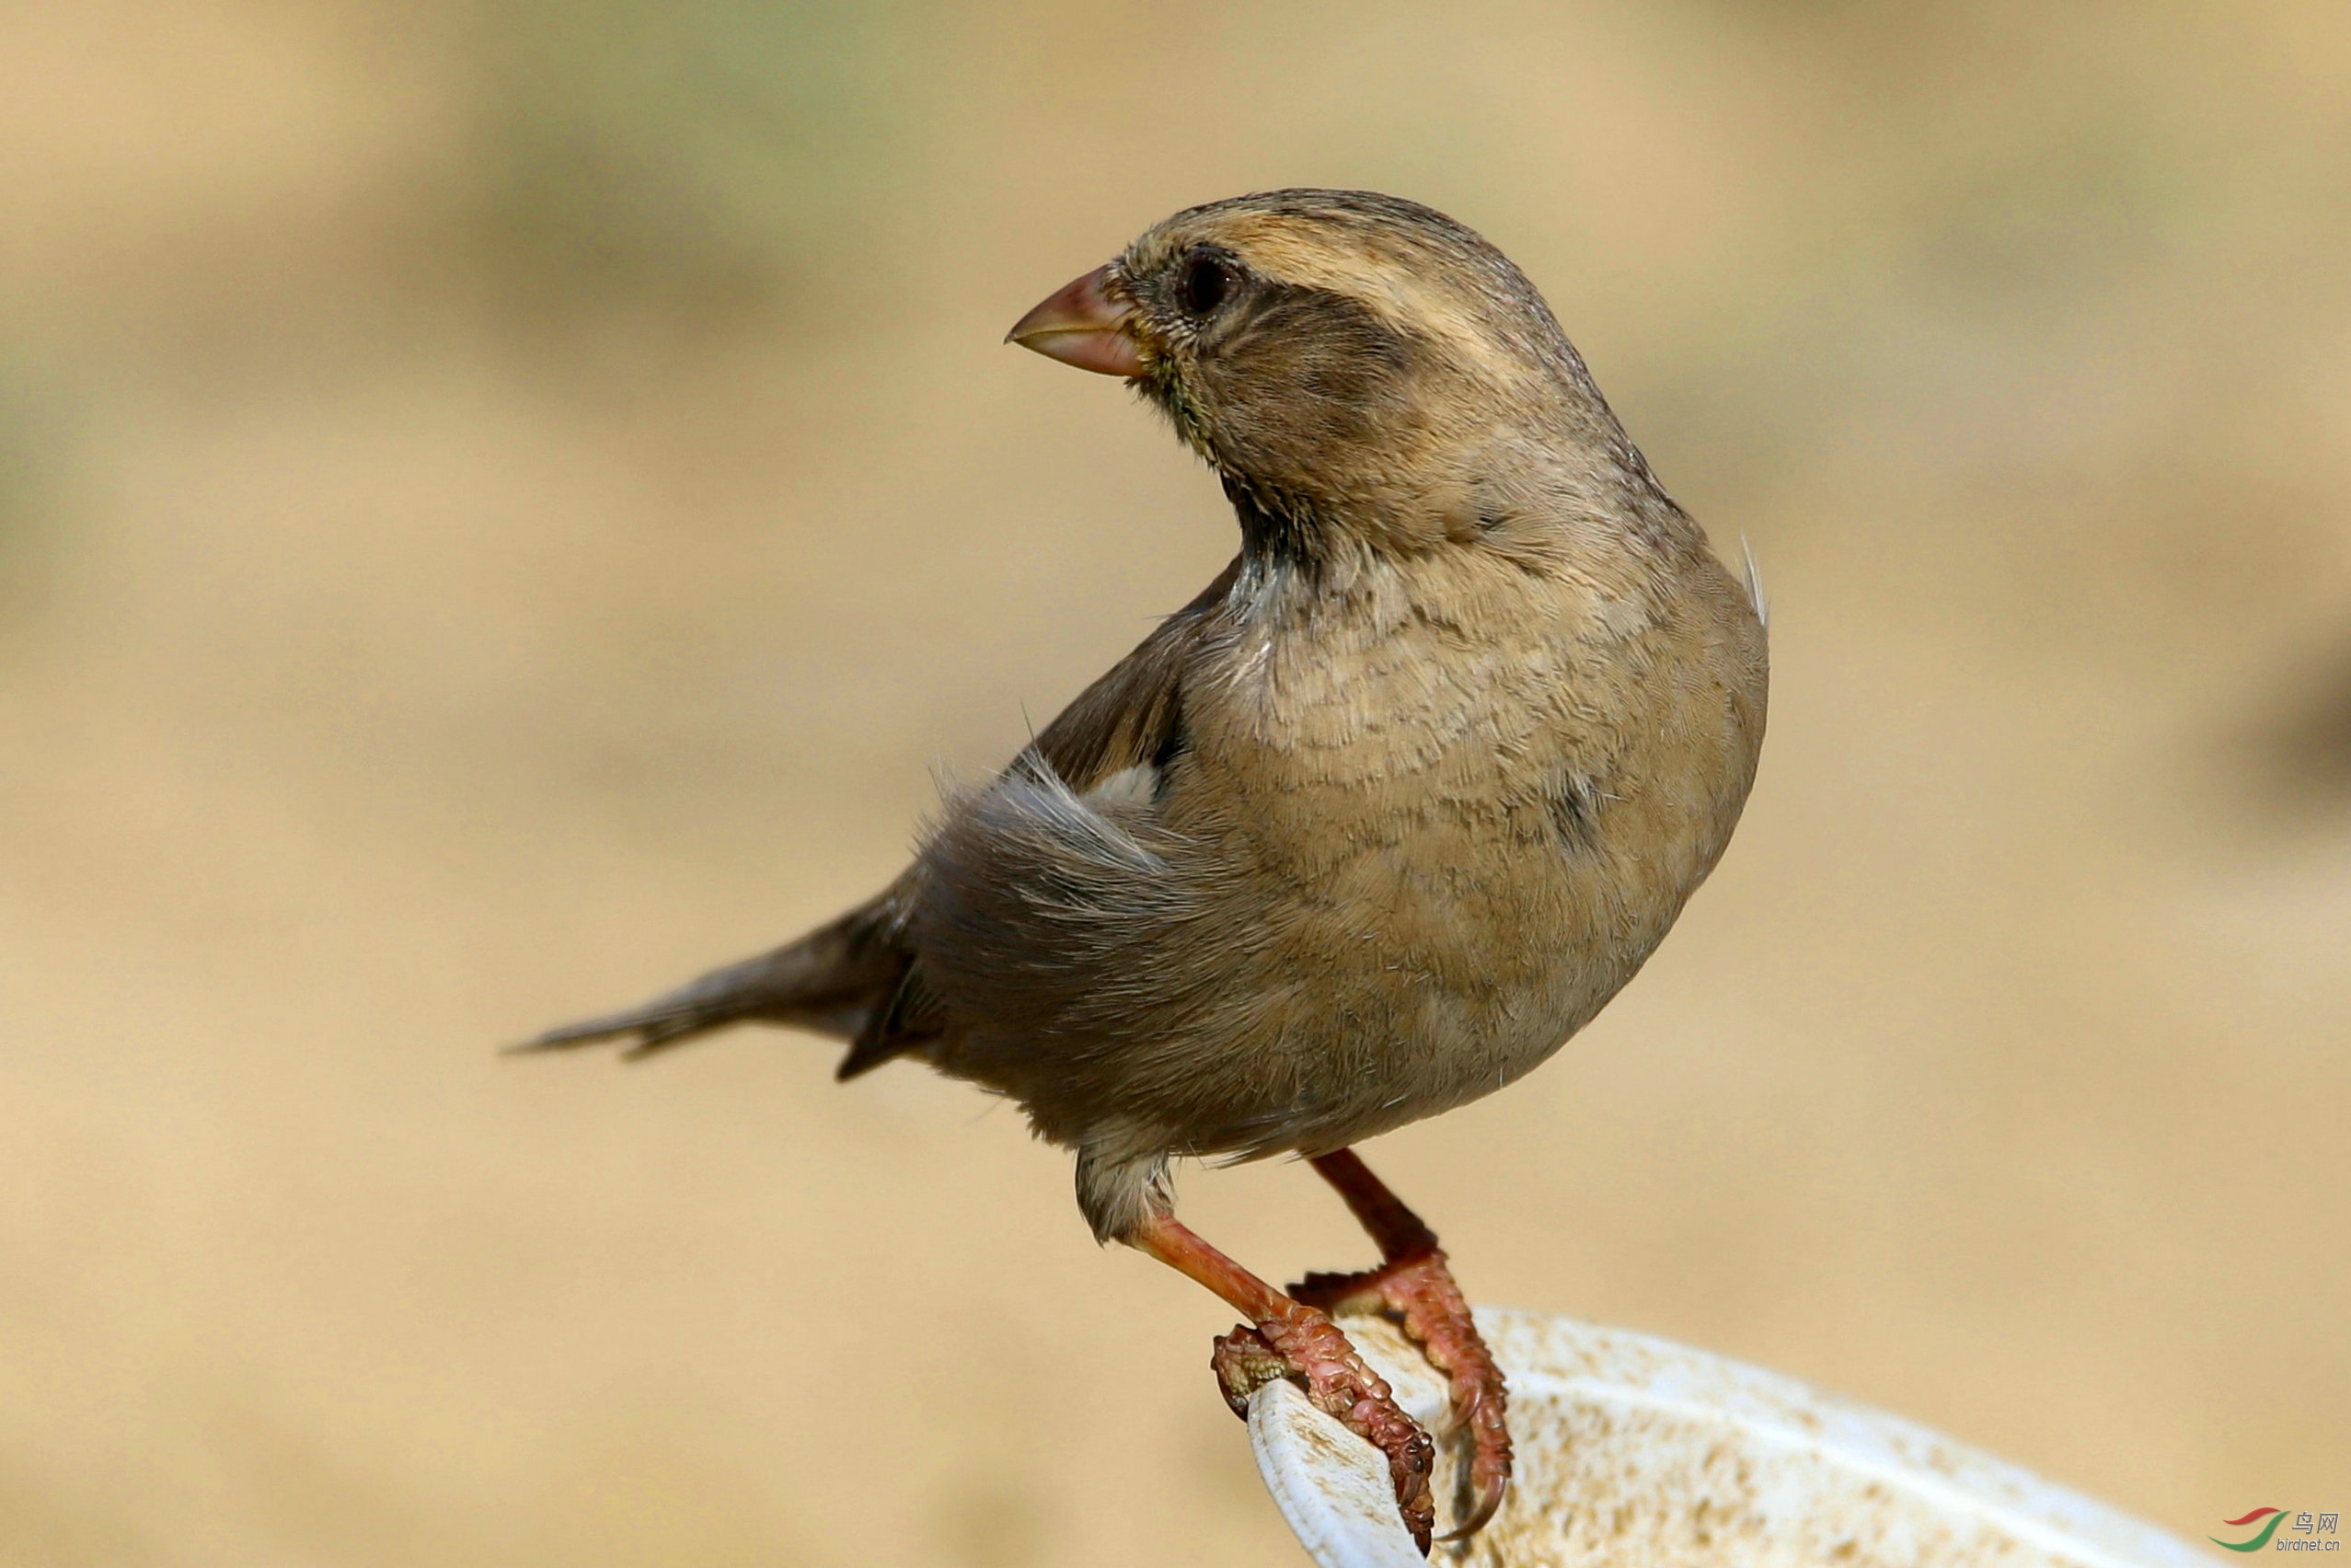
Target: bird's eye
(1206, 281)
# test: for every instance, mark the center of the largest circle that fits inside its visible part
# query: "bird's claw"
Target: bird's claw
(1244, 1363)
(1419, 1292)
(1307, 1348)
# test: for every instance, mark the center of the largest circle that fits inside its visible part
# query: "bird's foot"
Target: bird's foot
(1306, 1347)
(1419, 1291)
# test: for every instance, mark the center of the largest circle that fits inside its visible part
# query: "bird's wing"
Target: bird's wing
(1049, 907)
(1132, 717)
(1115, 737)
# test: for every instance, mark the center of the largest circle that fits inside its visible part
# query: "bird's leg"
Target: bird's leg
(1289, 1338)
(1414, 1284)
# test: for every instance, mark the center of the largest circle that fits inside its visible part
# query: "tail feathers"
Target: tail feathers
(738, 993)
(830, 981)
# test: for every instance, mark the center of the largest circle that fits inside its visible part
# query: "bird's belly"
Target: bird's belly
(1415, 961)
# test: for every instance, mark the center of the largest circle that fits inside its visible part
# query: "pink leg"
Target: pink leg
(1414, 1283)
(1290, 1339)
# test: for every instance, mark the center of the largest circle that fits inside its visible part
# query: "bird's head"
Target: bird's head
(1357, 367)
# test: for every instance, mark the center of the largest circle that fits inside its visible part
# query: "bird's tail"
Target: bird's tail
(830, 981)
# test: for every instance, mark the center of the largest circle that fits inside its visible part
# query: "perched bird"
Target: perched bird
(1365, 831)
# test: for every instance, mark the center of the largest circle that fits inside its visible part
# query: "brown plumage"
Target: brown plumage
(1374, 823)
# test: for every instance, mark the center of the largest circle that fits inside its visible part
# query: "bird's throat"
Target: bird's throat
(1279, 533)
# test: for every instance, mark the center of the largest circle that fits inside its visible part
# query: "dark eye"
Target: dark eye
(1206, 281)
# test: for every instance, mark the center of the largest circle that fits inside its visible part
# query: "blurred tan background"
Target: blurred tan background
(504, 505)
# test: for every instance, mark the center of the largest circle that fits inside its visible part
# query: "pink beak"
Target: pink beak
(1080, 325)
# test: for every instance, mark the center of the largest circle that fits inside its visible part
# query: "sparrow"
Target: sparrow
(1366, 830)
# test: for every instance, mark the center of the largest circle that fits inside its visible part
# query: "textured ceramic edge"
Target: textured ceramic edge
(1636, 1450)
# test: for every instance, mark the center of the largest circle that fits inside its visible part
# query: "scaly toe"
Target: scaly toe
(1308, 1349)
(1419, 1292)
